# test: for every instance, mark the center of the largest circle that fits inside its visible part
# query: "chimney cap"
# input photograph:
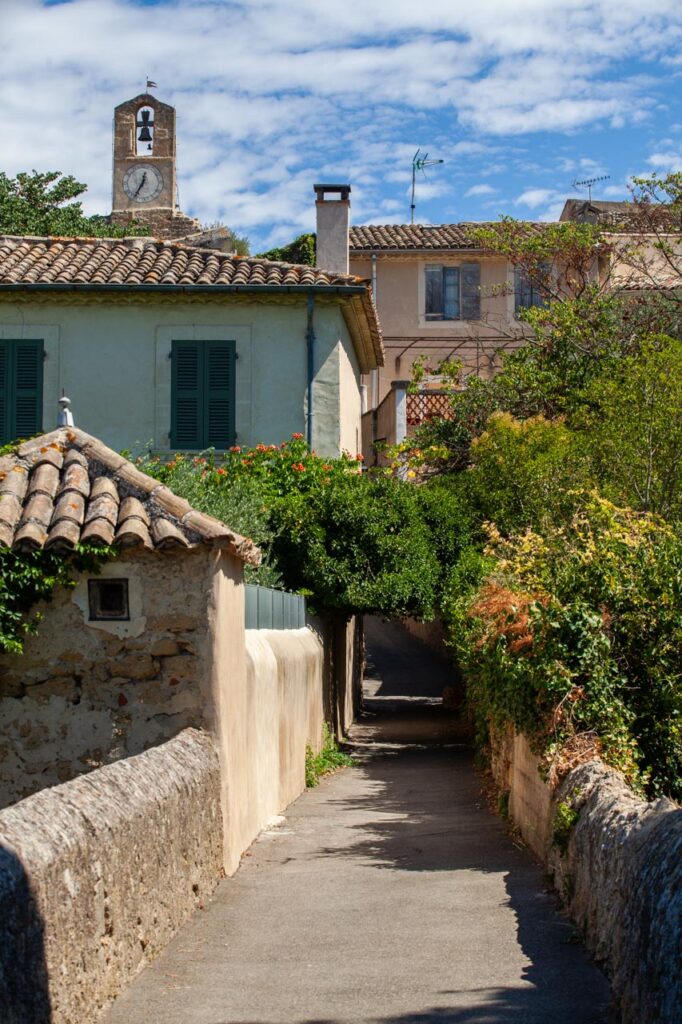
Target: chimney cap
(322, 189)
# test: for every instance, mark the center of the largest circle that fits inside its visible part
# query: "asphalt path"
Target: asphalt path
(389, 894)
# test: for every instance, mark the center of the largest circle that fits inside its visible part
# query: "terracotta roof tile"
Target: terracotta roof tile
(145, 262)
(135, 261)
(374, 237)
(67, 488)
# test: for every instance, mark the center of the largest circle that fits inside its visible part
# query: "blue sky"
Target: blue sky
(519, 99)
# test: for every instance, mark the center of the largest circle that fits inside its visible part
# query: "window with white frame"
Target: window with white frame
(453, 292)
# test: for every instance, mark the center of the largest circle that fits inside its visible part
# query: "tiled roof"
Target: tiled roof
(67, 488)
(145, 261)
(374, 237)
(124, 264)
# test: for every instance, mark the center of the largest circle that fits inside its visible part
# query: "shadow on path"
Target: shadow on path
(390, 895)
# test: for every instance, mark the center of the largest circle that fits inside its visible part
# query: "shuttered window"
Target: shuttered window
(202, 394)
(21, 388)
(453, 293)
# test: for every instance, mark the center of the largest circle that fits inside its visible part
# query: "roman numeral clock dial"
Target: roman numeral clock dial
(143, 183)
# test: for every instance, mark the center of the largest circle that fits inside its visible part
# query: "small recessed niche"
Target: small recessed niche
(108, 600)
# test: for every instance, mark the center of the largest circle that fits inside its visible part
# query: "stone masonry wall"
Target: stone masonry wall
(619, 871)
(621, 875)
(96, 876)
(82, 696)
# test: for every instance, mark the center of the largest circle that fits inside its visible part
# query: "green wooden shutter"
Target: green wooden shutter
(28, 388)
(21, 388)
(187, 410)
(471, 291)
(219, 369)
(202, 394)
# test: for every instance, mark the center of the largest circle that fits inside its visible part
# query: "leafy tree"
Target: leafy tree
(561, 260)
(48, 204)
(301, 250)
(651, 236)
(525, 473)
(351, 541)
(632, 422)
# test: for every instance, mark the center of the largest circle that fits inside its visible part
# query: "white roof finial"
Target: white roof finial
(64, 416)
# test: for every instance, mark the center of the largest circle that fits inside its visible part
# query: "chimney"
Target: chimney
(332, 227)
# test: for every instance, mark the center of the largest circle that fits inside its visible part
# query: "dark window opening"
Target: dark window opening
(527, 291)
(108, 599)
(453, 293)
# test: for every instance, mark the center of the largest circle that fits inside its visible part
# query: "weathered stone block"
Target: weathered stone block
(177, 623)
(165, 648)
(136, 666)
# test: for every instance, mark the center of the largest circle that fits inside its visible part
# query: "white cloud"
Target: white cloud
(534, 197)
(271, 95)
(480, 190)
(669, 162)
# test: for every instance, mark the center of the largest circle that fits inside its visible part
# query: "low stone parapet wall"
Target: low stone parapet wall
(616, 860)
(97, 874)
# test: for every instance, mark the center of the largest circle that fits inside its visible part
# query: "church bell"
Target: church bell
(144, 125)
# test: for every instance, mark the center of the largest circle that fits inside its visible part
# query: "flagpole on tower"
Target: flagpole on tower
(150, 84)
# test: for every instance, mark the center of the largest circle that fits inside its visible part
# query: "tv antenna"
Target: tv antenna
(419, 163)
(588, 183)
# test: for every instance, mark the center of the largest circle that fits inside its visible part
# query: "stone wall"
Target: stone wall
(618, 869)
(85, 694)
(96, 875)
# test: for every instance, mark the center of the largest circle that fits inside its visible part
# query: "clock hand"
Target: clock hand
(144, 178)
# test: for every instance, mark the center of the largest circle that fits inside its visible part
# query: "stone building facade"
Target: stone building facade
(131, 656)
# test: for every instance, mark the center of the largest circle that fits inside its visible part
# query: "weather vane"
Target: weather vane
(419, 163)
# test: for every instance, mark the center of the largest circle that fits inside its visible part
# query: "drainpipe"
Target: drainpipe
(310, 339)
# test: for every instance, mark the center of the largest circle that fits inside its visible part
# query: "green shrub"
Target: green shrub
(525, 472)
(352, 542)
(578, 631)
(29, 577)
(633, 424)
(328, 759)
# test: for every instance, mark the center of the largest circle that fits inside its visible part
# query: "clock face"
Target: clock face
(142, 183)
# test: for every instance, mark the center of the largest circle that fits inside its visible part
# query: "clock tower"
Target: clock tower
(144, 183)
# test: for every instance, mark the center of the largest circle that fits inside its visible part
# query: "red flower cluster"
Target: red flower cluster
(235, 448)
(298, 466)
(297, 437)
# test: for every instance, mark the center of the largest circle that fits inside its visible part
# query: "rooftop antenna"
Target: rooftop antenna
(419, 163)
(588, 183)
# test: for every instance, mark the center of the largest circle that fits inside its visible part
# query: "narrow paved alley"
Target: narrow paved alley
(388, 894)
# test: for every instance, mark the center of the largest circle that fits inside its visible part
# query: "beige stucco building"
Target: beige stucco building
(178, 348)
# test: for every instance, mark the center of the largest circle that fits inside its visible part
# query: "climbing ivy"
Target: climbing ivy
(27, 578)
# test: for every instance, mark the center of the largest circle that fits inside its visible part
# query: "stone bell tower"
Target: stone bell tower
(144, 174)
